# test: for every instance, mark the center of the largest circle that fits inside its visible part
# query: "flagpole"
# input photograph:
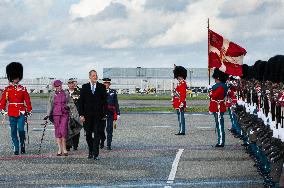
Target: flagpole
(208, 51)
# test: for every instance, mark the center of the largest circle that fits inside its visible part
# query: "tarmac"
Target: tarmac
(146, 153)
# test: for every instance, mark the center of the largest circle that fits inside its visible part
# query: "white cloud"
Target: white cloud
(191, 26)
(111, 33)
(122, 43)
(88, 7)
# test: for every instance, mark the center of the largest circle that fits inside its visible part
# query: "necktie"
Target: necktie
(93, 88)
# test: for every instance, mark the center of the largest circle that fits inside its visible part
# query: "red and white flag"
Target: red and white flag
(225, 55)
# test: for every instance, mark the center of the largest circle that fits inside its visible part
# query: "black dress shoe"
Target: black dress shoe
(109, 148)
(219, 145)
(23, 150)
(75, 148)
(180, 134)
(16, 152)
(90, 155)
(96, 158)
(102, 146)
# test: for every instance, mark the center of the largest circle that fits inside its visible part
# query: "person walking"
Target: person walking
(92, 111)
(19, 105)
(58, 113)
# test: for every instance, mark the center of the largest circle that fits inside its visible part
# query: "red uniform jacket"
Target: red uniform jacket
(15, 96)
(217, 98)
(180, 95)
(232, 96)
(281, 99)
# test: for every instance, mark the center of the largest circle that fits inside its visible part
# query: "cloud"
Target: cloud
(70, 35)
(166, 5)
(88, 7)
(18, 18)
(190, 26)
(122, 43)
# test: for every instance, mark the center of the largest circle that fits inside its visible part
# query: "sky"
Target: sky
(67, 38)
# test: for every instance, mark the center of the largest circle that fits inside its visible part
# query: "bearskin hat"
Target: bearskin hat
(245, 70)
(276, 63)
(258, 69)
(14, 70)
(217, 74)
(180, 71)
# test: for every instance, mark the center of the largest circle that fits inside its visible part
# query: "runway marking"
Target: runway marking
(172, 175)
(204, 127)
(207, 183)
(199, 114)
(41, 129)
(161, 126)
(83, 153)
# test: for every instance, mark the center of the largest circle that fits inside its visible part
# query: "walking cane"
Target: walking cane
(26, 120)
(42, 136)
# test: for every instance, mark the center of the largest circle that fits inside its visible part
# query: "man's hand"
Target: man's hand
(118, 116)
(82, 119)
(181, 105)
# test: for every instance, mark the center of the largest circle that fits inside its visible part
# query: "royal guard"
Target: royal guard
(113, 112)
(231, 100)
(217, 105)
(19, 105)
(179, 97)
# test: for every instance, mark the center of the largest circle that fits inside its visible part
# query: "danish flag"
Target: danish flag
(225, 55)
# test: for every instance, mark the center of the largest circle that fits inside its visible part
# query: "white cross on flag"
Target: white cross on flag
(225, 55)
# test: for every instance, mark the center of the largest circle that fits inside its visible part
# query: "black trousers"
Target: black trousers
(102, 132)
(92, 127)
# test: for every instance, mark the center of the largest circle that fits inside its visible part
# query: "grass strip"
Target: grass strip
(163, 109)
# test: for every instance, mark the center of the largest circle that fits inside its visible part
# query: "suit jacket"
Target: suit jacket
(93, 105)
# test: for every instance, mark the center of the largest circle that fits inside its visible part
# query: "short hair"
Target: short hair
(92, 71)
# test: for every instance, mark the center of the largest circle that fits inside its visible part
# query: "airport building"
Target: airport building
(128, 80)
(131, 80)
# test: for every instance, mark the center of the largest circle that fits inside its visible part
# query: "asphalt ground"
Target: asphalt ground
(40, 104)
(144, 154)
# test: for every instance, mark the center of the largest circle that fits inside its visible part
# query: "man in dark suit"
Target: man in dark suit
(92, 111)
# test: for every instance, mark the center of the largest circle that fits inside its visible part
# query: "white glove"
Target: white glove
(3, 112)
(209, 87)
(118, 116)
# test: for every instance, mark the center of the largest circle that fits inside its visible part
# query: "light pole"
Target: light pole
(190, 74)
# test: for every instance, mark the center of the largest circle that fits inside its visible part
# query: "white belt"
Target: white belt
(218, 101)
(16, 103)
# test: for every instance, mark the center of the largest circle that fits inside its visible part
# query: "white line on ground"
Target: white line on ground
(166, 126)
(204, 127)
(172, 175)
(198, 114)
(41, 129)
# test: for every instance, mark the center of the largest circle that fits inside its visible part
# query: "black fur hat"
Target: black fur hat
(180, 71)
(276, 64)
(245, 70)
(14, 70)
(258, 69)
(217, 74)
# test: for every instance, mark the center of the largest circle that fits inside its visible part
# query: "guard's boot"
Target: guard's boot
(22, 136)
